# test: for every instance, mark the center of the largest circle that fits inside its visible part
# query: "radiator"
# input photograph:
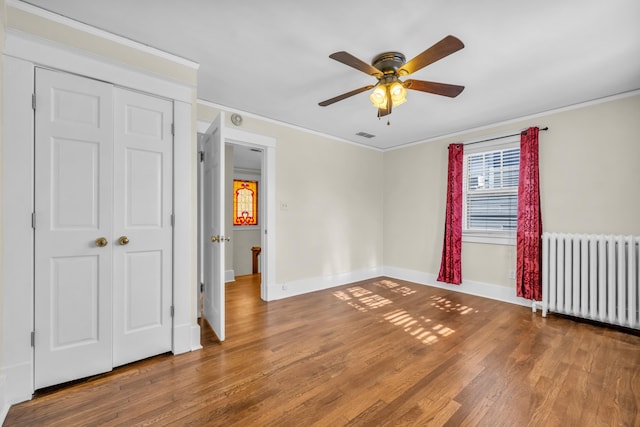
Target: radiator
(592, 276)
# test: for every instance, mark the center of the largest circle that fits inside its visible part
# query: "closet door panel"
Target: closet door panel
(73, 196)
(143, 148)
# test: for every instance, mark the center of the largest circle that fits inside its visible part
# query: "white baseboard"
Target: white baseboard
(486, 290)
(195, 338)
(186, 338)
(18, 384)
(4, 405)
(229, 276)
(181, 338)
(304, 286)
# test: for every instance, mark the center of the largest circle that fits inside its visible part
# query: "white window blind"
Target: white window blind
(491, 190)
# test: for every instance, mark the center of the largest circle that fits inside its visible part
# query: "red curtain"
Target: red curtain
(529, 231)
(451, 266)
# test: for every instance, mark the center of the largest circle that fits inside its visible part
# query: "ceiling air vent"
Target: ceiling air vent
(365, 135)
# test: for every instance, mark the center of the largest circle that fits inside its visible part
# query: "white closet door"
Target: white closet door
(142, 275)
(73, 196)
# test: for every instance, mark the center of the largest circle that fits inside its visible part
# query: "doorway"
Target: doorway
(245, 227)
(210, 235)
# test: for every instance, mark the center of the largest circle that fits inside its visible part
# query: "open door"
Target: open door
(213, 225)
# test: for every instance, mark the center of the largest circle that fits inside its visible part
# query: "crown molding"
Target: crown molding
(123, 41)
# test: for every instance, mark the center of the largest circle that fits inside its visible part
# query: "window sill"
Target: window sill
(495, 238)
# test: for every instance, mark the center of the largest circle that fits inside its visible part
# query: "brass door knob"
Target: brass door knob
(123, 240)
(215, 238)
(101, 242)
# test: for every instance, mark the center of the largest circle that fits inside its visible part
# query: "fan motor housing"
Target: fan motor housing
(389, 62)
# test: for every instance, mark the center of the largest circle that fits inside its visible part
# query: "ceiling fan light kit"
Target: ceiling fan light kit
(388, 67)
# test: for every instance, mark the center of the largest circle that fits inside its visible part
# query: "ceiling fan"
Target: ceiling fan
(388, 67)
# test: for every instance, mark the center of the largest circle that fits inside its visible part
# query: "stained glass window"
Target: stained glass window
(245, 202)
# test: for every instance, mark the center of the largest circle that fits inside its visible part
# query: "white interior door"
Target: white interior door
(213, 226)
(73, 194)
(142, 237)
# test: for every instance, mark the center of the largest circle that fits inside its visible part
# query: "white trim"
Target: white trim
(268, 183)
(57, 56)
(313, 284)
(520, 119)
(105, 35)
(485, 290)
(185, 298)
(17, 206)
(242, 137)
(18, 383)
(195, 337)
(277, 122)
(268, 241)
(4, 406)
(186, 338)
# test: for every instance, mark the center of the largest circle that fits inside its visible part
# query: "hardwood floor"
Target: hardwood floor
(379, 352)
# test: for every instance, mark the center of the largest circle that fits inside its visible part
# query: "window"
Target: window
(245, 202)
(490, 193)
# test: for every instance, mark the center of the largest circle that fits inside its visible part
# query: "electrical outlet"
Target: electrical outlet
(284, 206)
(512, 274)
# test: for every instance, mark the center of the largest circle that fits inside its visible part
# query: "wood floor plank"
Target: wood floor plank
(377, 352)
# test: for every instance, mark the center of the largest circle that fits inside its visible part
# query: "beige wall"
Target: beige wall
(333, 192)
(589, 184)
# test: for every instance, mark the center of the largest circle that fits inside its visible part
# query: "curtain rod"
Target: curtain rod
(500, 137)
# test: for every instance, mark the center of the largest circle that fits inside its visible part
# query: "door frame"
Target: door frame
(267, 144)
(21, 55)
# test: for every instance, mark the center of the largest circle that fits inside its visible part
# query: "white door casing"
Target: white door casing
(73, 180)
(99, 305)
(267, 257)
(213, 226)
(142, 237)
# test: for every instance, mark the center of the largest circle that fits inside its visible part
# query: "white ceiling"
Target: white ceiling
(272, 58)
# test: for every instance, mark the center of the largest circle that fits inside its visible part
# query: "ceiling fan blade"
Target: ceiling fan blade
(344, 96)
(350, 60)
(433, 87)
(444, 47)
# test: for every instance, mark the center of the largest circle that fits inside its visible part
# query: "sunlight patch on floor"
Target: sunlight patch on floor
(444, 304)
(419, 327)
(362, 299)
(395, 287)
